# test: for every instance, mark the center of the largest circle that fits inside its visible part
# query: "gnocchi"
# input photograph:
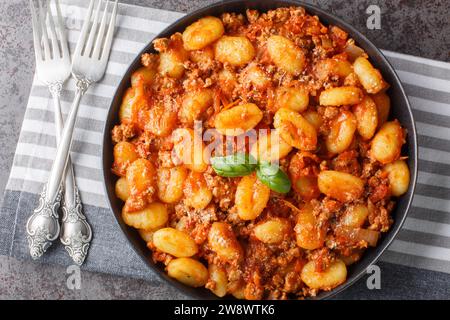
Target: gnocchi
(309, 235)
(142, 76)
(270, 147)
(234, 50)
(295, 130)
(188, 271)
(202, 33)
(223, 242)
(355, 216)
(194, 105)
(237, 120)
(122, 190)
(370, 78)
(387, 144)
(341, 133)
(340, 185)
(161, 121)
(296, 99)
(333, 276)
(219, 280)
(189, 150)
(170, 183)
(126, 108)
(141, 181)
(272, 230)
(175, 242)
(366, 114)
(398, 174)
(339, 96)
(171, 64)
(154, 216)
(124, 155)
(383, 103)
(286, 55)
(251, 197)
(313, 118)
(196, 191)
(257, 77)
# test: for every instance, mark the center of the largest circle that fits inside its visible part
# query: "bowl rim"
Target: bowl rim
(322, 14)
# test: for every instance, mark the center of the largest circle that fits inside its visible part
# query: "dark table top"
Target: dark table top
(414, 27)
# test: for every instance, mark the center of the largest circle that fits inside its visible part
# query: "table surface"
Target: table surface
(414, 27)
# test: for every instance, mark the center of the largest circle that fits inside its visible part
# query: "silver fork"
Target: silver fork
(53, 69)
(88, 66)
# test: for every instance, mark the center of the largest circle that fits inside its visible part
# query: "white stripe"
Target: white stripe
(433, 179)
(116, 69)
(420, 250)
(48, 128)
(429, 62)
(431, 130)
(41, 176)
(434, 155)
(425, 202)
(32, 150)
(429, 106)
(424, 81)
(124, 21)
(435, 228)
(85, 111)
(120, 45)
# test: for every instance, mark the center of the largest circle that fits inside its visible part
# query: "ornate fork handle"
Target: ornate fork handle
(76, 232)
(43, 226)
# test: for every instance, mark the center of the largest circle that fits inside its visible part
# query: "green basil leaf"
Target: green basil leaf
(235, 165)
(273, 177)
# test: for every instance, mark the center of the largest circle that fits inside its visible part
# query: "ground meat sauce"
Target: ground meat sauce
(342, 188)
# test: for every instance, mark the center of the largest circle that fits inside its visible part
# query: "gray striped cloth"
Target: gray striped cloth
(424, 241)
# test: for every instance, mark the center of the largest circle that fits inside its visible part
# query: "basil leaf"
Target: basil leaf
(235, 165)
(273, 177)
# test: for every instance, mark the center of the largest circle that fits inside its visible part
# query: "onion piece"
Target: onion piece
(359, 234)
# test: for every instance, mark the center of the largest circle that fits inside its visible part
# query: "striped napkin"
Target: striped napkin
(424, 241)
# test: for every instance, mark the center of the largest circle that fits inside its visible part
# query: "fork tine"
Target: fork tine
(110, 34)
(90, 42)
(61, 31)
(84, 30)
(101, 34)
(36, 32)
(44, 31)
(55, 45)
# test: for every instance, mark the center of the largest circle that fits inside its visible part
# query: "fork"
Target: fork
(88, 66)
(53, 68)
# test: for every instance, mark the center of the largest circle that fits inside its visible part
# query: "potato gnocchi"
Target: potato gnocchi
(290, 93)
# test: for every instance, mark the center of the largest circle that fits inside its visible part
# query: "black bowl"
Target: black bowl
(400, 110)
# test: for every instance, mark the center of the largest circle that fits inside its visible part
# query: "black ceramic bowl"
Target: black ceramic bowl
(400, 110)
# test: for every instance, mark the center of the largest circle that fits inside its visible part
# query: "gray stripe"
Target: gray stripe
(423, 69)
(33, 187)
(50, 141)
(48, 116)
(417, 262)
(68, 96)
(429, 215)
(118, 55)
(434, 143)
(136, 11)
(424, 238)
(433, 191)
(425, 93)
(434, 167)
(432, 118)
(124, 33)
(45, 164)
